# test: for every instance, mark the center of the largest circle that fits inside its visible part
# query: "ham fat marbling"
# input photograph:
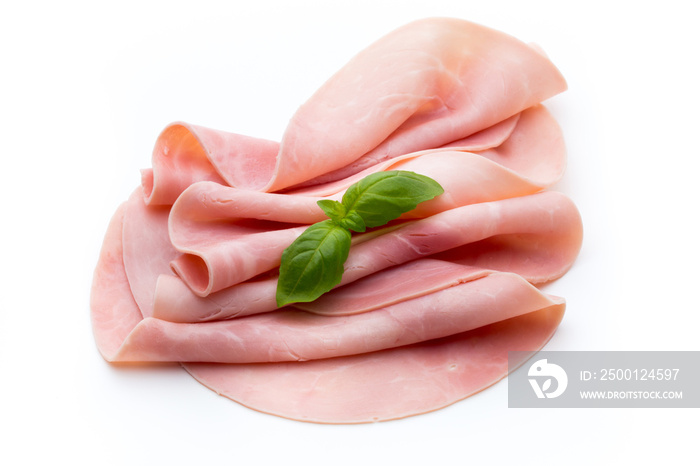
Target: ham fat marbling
(429, 305)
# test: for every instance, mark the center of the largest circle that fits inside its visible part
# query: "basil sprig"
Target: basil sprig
(313, 263)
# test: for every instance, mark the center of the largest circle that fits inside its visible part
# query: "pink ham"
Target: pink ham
(185, 154)
(418, 278)
(188, 266)
(384, 385)
(370, 387)
(296, 335)
(176, 302)
(533, 149)
(424, 85)
(536, 236)
(113, 310)
(144, 231)
(442, 80)
(299, 336)
(221, 248)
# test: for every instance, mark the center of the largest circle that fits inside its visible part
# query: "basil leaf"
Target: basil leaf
(353, 221)
(334, 209)
(313, 263)
(384, 196)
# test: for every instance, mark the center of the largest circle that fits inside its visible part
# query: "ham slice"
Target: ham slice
(210, 223)
(293, 335)
(403, 319)
(384, 385)
(378, 386)
(424, 85)
(188, 267)
(186, 153)
(536, 236)
(439, 80)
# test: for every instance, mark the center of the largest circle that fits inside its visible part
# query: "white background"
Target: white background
(85, 89)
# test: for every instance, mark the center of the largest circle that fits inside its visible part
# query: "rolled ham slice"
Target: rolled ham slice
(185, 153)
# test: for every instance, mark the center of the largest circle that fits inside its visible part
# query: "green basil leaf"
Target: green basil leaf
(384, 196)
(353, 221)
(334, 209)
(313, 263)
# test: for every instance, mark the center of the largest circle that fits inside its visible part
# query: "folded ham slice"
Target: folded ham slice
(537, 236)
(424, 85)
(427, 84)
(468, 299)
(210, 223)
(384, 385)
(429, 305)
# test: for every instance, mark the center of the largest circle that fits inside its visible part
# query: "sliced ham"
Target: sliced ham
(377, 386)
(384, 385)
(424, 85)
(293, 335)
(186, 153)
(440, 80)
(418, 278)
(189, 263)
(210, 222)
(533, 149)
(144, 230)
(537, 236)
